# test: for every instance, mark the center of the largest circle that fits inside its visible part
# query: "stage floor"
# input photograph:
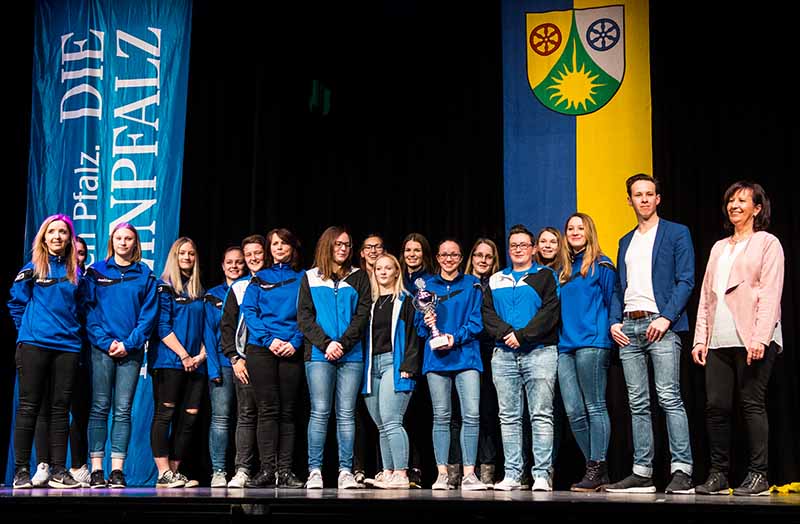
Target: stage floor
(222, 505)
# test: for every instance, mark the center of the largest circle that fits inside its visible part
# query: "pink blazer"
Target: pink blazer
(753, 293)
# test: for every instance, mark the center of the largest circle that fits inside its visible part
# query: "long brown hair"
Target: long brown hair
(427, 257)
(137, 250)
(172, 270)
(591, 252)
(323, 254)
(40, 256)
(560, 259)
(288, 237)
(495, 262)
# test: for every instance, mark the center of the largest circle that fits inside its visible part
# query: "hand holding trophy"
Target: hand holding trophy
(425, 302)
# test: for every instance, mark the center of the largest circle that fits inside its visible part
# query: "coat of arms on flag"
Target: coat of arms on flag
(576, 58)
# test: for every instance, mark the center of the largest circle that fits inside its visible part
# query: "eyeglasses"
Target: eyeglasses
(521, 245)
(373, 247)
(482, 256)
(340, 245)
(453, 256)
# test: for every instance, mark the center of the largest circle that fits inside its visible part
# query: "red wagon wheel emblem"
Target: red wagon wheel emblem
(545, 39)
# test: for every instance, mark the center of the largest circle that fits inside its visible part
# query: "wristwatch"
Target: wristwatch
(234, 359)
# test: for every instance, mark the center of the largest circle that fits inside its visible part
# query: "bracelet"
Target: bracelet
(184, 358)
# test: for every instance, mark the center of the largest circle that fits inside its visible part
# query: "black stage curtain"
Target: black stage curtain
(387, 117)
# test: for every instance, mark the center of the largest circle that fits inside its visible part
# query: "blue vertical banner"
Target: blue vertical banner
(576, 110)
(110, 82)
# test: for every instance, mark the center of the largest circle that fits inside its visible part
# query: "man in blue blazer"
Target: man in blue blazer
(654, 280)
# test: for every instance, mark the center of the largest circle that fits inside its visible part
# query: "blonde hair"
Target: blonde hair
(323, 255)
(398, 287)
(561, 257)
(40, 256)
(172, 270)
(495, 262)
(591, 252)
(136, 256)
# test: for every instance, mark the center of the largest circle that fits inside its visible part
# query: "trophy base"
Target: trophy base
(439, 342)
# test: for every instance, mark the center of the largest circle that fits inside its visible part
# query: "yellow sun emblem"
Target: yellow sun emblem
(574, 87)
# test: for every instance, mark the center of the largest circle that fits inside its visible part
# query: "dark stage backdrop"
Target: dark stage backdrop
(386, 116)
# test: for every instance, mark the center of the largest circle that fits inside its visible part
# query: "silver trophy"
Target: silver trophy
(425, 301)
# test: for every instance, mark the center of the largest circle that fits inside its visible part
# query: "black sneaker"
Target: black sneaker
(596, 476)
(117, 479)
(97, 479)
(632, 484)
(287, 479)
(61, 479)
(264, 479)
(170, 480)
(454, 476)
(22, 479)
(754, 485)
(415, 478)
(716, 484)
(681, 484)
(360, 477)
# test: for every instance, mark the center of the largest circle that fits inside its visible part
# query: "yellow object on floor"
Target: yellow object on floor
(792, 487)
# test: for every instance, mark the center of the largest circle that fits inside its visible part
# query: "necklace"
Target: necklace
(383, 300)
(746, 236)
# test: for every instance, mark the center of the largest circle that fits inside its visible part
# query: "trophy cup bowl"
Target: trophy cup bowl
(425, 301)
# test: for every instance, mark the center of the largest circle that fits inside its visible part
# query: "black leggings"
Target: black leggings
(174, 393)
(79, 409)
(40, 369)
(726, 369)
(276, 384)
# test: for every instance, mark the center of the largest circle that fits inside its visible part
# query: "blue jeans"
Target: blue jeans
(468, 386)
(665, 356)
(387, 408)
(532, 373)
(222, 396)
(112, 378)
(582, 378)
(324, 380)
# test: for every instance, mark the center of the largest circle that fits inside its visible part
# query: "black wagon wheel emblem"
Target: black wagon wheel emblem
(545, 39)
(603, 34)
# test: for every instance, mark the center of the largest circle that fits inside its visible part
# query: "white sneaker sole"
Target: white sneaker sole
(651, 489)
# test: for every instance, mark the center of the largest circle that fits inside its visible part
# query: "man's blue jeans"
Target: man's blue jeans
(665, 356)
(532, 373)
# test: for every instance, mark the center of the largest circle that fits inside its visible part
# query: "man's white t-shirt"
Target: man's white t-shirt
(639, 295)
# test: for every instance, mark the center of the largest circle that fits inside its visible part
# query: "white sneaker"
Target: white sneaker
(346, 480)
(472, 483)
(508, 484)
(378, 482)
(441, 482)
(314, 479)
(239, 479)
(219, 479)
(82, 475)
(41, 476)
(396, 481)
(541, 484)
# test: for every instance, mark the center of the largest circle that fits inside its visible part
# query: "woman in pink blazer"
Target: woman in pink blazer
(738, 334)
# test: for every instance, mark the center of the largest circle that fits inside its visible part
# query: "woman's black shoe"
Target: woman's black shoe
(287, 479)
(264, 479)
